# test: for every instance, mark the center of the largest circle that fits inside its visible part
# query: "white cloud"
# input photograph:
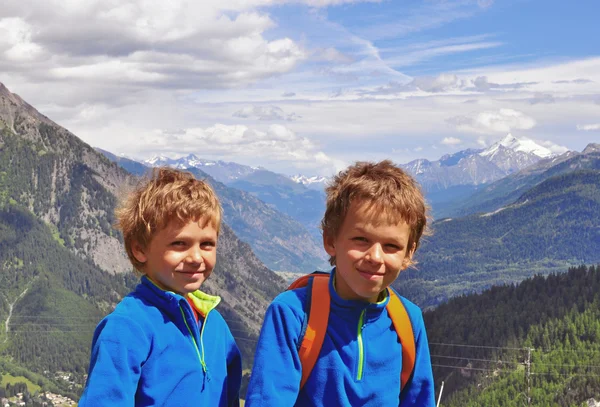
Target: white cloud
(274, 144)
(412, 58)
(264, 113)
(441, 83)
(451, 141)
(485, 3)
(588, 127)
(425, 16)
(141, 44)
(333, 55)
(555, 148)
(501, 121)
(16, 40)
(539, 97)
(325, 3)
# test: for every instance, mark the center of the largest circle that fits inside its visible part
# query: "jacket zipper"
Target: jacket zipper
(198, 353)
(361, 348)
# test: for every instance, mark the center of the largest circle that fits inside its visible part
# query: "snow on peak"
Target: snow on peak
(157, 160)
(518, 144)
(303, 179)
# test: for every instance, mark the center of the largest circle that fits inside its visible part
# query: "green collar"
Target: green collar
(202, 302)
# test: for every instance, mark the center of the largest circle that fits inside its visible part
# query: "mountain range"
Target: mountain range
(505, 190)
(301, 198)
(551, 226)
(447, 182)
(456, 176)
(475, 167)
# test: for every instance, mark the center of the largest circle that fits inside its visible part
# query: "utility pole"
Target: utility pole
(440, 396)
(528, 375)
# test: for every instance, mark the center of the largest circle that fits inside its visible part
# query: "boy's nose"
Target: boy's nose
(375, 253)
(194, 255)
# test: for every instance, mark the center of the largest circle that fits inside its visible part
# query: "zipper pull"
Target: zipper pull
(205, 370)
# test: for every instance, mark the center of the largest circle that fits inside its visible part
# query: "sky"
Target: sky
(307, 86)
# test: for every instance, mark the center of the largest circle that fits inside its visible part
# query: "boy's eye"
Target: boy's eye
(393, 247)
(178, 243)
(208, 244)
(359, 239)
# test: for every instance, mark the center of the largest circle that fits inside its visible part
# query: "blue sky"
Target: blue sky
(307, 86)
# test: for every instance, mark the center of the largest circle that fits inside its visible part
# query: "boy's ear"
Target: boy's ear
(328, 244)
(138, 252)
(409, 255)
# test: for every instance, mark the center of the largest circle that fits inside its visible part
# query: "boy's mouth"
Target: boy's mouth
(192, 271)
(370, 276)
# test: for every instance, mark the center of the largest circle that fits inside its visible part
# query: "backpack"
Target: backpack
(314, 332)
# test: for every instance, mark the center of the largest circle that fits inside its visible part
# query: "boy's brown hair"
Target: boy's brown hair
(167, 195)
(388, 192)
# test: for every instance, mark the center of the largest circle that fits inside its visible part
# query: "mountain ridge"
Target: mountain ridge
(475, 167)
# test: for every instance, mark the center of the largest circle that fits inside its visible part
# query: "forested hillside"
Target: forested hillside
(549, 228)
(538, 340)
(51, 299)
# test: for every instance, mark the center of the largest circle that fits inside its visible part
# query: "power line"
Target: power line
(475, 359)
(475, 346)
(576, 366)
(471, 368)
(565, 374)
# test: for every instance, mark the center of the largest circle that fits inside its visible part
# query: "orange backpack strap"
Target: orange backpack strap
(403, 326)
(318, 318)
(301, 281)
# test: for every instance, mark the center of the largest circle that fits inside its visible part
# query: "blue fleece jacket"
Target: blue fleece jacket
(359, 364)
(151, 351)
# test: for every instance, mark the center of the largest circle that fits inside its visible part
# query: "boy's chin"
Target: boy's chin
(191, 288)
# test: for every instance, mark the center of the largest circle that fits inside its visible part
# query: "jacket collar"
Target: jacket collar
(203, 303)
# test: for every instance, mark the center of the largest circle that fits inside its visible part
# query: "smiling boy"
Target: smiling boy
(375, 216)
(165, 344)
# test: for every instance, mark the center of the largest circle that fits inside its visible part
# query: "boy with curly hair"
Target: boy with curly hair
(375, 216)
(165, 344)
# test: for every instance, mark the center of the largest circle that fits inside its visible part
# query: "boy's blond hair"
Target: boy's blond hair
(389, 193)
(168, 195)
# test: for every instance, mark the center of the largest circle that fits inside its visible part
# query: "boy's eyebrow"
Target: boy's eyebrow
(396, 239)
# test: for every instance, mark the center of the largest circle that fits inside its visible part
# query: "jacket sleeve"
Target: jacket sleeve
(119, 349)
(275, 378)
(419, 390)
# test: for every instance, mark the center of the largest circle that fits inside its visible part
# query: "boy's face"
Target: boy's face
(369, 255)
(180, 257)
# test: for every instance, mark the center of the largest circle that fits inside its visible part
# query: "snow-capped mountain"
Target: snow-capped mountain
(222, 171)
(523, 145)
(475, 167)
(512, 154)
(314, 182)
